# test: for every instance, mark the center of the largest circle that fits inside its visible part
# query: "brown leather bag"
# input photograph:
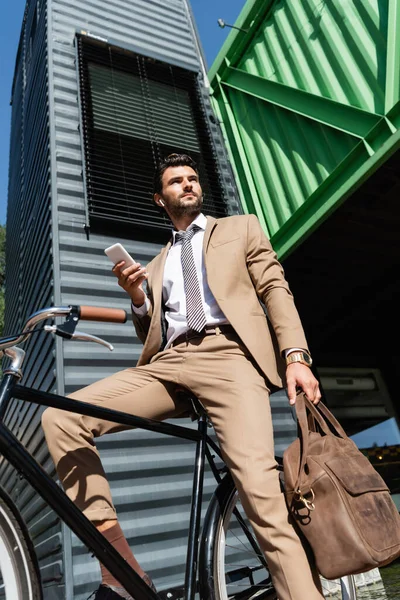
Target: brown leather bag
(338, 500)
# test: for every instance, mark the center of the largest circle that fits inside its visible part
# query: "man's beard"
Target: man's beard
(187, 210)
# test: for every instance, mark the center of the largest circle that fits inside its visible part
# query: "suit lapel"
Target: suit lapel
(157, 276)
(211, 224)
(155, 334)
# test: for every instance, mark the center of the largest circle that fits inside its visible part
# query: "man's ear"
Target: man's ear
(158, 200)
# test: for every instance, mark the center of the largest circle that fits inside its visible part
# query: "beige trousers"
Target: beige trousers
(220, 372)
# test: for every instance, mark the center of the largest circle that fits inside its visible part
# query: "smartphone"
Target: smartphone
(117, 252)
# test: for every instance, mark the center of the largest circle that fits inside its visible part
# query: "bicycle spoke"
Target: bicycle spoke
(242, 548)
(249, 535)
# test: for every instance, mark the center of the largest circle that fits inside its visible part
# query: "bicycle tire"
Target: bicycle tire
(19, 569)
(230, 569)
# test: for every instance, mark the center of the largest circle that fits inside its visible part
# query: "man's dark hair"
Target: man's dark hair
(172, 160)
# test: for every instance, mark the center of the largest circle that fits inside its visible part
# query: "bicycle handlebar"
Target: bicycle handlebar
(85, 313)
(98, 313)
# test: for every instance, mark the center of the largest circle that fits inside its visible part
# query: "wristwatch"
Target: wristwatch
(301, 357)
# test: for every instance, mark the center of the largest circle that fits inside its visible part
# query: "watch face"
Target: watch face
(307, 359)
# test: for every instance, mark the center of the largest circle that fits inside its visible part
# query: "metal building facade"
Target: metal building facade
(29, 270)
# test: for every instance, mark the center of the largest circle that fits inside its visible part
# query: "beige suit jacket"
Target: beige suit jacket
(242, 270)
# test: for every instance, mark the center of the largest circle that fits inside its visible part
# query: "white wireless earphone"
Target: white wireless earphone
(162, 203)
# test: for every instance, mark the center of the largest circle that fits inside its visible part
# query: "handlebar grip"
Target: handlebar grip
(98, 313)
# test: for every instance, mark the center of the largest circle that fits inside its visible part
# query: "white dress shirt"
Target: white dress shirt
(174, 297)
(173, 289)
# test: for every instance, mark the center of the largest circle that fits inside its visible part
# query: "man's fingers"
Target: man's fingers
(291, 390)
(133, 277)
(300, 376)
(130, 274)
(132, 269)
(313, 393)
(317, 395)
(135, 282)
(117, 268)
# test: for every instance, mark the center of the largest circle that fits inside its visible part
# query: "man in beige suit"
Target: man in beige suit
(204, 329)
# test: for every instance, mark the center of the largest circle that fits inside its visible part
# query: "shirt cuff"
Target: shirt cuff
(290, 350)
(141, 311)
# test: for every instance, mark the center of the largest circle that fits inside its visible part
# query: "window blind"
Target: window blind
(135, 111)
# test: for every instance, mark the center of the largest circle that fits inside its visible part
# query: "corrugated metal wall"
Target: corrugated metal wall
(29, 270)
(308, 93)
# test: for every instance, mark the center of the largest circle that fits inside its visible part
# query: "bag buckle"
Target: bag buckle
(309, 504)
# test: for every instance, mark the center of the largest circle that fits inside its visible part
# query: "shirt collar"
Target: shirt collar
(200, 221)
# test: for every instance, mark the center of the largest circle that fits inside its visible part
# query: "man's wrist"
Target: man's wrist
(298, 356)
(138, 304)
(139, 299)
(143, 309)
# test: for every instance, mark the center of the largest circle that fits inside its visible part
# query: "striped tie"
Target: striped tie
(195, 316)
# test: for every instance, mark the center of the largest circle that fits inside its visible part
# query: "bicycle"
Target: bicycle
(223, 558)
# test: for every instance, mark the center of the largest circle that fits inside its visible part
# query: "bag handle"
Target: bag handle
(304, 431)
(314, 417)
(302, 402)
(329, 417)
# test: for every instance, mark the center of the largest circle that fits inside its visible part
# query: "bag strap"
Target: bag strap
(321, 411)
(329, 417)
(314, 416)
(304, 431)
(303, 403)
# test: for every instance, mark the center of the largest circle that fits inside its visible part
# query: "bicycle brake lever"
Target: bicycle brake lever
(79, 335)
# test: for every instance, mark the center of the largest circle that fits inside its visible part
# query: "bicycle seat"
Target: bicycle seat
(197, 409)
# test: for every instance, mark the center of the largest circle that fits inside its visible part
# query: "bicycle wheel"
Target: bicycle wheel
(235, 568)
(19, 573)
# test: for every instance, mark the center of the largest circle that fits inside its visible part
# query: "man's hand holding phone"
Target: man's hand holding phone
(131, 280)
(130, 273)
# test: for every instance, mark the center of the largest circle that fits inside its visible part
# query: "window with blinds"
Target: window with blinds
(134, 111)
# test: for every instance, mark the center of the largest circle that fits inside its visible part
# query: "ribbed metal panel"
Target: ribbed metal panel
(86, 278)
(154, 28)
(29, 276)
(308, 94)
(332, 49)
(290, 155)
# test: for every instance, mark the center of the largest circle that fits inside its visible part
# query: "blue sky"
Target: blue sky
(206, 14)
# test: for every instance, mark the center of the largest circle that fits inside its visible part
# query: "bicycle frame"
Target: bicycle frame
(31, 470)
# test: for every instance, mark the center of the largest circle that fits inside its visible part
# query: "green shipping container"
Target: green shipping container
(308, 96)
